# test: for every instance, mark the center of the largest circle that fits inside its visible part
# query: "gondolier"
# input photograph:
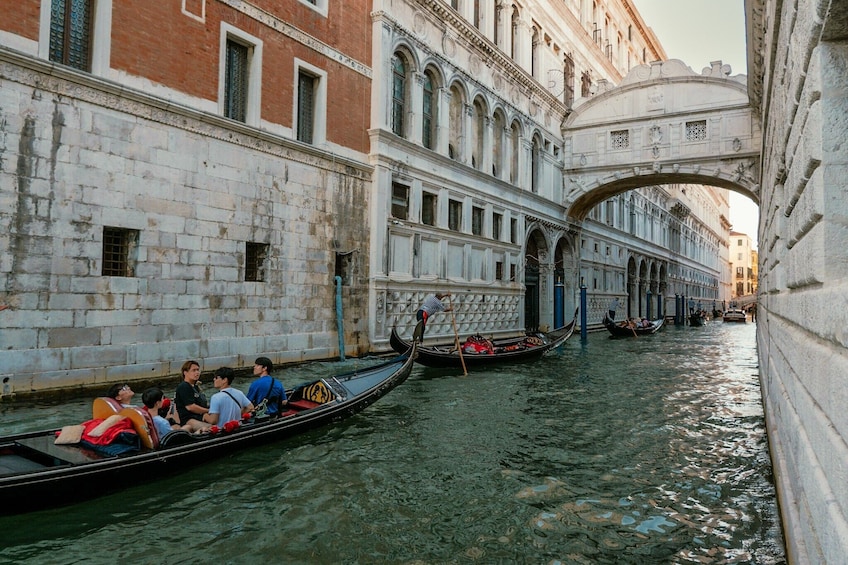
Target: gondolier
(432, 305)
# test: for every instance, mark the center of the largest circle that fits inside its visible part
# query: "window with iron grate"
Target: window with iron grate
(696, 131)
(236, 81)
(620, 139)
(305, 107)
(255, 255)
(70, 33)
(119, 252)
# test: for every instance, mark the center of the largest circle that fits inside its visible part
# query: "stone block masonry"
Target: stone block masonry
(191, 194)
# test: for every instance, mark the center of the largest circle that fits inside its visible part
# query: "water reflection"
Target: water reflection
(650, 450)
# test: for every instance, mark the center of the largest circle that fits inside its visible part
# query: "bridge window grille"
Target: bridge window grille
(696, 131)
(620, 139)
(70, 33)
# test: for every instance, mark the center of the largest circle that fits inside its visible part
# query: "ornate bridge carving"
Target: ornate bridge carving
(663, 124)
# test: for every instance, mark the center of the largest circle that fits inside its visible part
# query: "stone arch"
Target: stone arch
(566, 262)
(479, 121)
(403, 65)
(498, 142)
(432, 81)
(456, 129)
(537, 265)
(516, 132)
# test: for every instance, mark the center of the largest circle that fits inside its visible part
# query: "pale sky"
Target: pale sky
(698, 32)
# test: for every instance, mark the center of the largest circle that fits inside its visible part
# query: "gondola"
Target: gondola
(626, 331)
(697, 319)
(35, 473)
(491, 351)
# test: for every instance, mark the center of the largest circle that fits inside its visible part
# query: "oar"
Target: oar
(456, 338)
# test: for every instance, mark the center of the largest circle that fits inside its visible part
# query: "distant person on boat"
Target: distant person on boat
(190, 400)
(432, 305)
(267, 388)
(122, 393)
(613, 308)
(228, 404)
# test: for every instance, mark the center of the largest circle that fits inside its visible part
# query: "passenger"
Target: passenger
(645, 323)
(154, 402)
(228, 404)
(432, 305)
(122, 393)
(190, 400)
(267, 388)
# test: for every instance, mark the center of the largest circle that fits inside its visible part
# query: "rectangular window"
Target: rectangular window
(739, 243)
(696, 131)
(476, 220)
(236, 81)
(455, 215)
(620, 139)
(305, 107)
(499, 271)
(254, 261)
(513, 230)
(400, 201)
(512, 272)
(497, 226)
(70, 33)
(119, 251)
(428, 209)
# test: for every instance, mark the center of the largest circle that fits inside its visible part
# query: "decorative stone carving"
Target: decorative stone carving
(655, 135)
(419, 25)
(737, 145)
(655, 151)
(448, 45)
(583, 160)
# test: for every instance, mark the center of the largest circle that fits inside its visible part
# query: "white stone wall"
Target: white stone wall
(76, 156)
(802, 88)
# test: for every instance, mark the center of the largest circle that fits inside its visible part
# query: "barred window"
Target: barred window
(70, 33)
(119, 251)
(254, 261)
(696, 131)
(305, 107)
(499, 271)
(497, 226)
(620, 139)
(236, 81)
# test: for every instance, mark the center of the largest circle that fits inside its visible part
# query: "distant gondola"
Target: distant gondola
(697, 319)
(492, 352)
(36, 473)
(619, 330)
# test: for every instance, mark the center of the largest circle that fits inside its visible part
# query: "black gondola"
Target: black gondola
(697, 319)
(35, 473)
(628, 330)
(495, 351)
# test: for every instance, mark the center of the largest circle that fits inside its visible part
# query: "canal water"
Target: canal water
(644, 450)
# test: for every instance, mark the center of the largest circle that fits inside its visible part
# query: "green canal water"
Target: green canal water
(648, 450)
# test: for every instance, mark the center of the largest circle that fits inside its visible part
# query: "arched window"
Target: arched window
(398, 93)
(457, 103)
(428, 113)
(497, 145)
(514, 150)
(478, 134)
(535, 165)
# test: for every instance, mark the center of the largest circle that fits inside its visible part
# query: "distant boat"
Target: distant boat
(488, 352)
(629, 329)
(735, 315)
(697, 319)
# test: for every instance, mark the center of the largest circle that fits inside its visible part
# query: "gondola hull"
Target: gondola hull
(512, 350)
(624, 331)
(35, 473)
(697, 320)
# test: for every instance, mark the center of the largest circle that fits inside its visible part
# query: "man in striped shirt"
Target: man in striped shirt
(431, 305)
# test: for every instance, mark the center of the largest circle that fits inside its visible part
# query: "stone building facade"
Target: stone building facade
(468, 149)
(798, 82)
(743, 259)
(174, 185)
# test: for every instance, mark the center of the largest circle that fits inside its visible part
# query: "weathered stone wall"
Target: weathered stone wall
(78, 153)
(803, 269)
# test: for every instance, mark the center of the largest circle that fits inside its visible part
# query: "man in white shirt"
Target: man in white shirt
(228, 404)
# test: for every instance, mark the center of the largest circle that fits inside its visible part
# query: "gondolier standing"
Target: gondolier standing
(432, 305)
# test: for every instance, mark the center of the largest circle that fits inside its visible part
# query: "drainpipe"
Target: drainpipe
(339, 318)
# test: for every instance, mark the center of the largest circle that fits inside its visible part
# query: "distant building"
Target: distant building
(743, 262)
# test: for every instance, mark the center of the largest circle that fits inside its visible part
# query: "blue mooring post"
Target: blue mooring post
(660, 304)
(584, 332)
(339, 317)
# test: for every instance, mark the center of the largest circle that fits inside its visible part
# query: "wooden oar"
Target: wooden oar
(456, 338)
